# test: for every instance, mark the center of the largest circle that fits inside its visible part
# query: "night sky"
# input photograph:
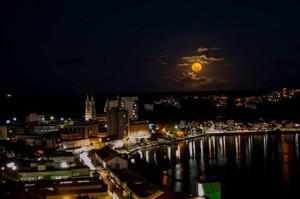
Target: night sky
(73, 46)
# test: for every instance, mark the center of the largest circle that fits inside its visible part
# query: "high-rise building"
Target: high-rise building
(131, 104)
(119, 114)
(90, 109)
(117, 122)
(125, 103)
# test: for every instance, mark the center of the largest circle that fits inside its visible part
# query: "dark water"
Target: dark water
(247, 166)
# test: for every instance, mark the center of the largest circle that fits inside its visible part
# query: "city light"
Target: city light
(64, 165)
(200, 190)
(12, 166)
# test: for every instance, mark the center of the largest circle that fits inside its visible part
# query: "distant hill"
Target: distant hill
(74, 105)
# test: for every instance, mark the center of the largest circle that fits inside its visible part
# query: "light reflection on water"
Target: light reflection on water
(246, 165)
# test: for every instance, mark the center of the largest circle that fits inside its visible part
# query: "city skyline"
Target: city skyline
(148, 46)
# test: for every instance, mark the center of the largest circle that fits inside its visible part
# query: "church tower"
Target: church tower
(90, 109)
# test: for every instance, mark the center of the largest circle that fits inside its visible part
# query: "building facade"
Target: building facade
(90, 109)
(117, 122)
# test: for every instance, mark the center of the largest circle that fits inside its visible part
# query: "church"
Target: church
(90, 109)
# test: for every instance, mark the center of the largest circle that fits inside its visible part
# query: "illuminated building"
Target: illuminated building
(117, 122)
(4, 133)
(230, 124)
(109, 158)
(86, 128)
(125, 103)
(90, 109)
(139, 129)
(119, 114)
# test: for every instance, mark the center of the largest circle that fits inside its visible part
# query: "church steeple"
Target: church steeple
(90, 108)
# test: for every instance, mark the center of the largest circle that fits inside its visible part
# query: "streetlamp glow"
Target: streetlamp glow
(11, 165)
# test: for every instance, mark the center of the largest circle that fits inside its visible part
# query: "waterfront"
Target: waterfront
(247, 166)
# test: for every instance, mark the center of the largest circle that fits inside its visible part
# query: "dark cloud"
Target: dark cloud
(286, 62)
(154, 61)
(202, 59)
(195, 80)
(200, 49)
(191, 81)
(72, 61)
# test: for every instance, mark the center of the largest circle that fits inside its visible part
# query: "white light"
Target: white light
(51, 118)
(118, 144)
(147, 156)
(14, 168)
(200, 190)
(15, 119)
(7, 121)
(10, 165)
(64, 165)
(83, 148)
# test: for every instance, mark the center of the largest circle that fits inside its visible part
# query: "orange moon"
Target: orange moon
(196, 67)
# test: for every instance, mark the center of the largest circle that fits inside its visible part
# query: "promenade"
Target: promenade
(211, 133)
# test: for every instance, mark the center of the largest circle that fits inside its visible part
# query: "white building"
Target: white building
(110, 159)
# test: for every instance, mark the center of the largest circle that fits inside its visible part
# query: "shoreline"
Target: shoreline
(161, 142)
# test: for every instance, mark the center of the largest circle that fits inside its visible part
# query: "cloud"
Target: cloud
(195, 81)
(202, 59)
(154, 60)
(164, 56)
(191, 75)
(285, 62)
(190, 80)
(72, 61)
(190, 58)
(183, 64)
(200, 49)
(163, 63)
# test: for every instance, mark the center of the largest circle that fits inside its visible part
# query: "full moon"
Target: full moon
(196, 67)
